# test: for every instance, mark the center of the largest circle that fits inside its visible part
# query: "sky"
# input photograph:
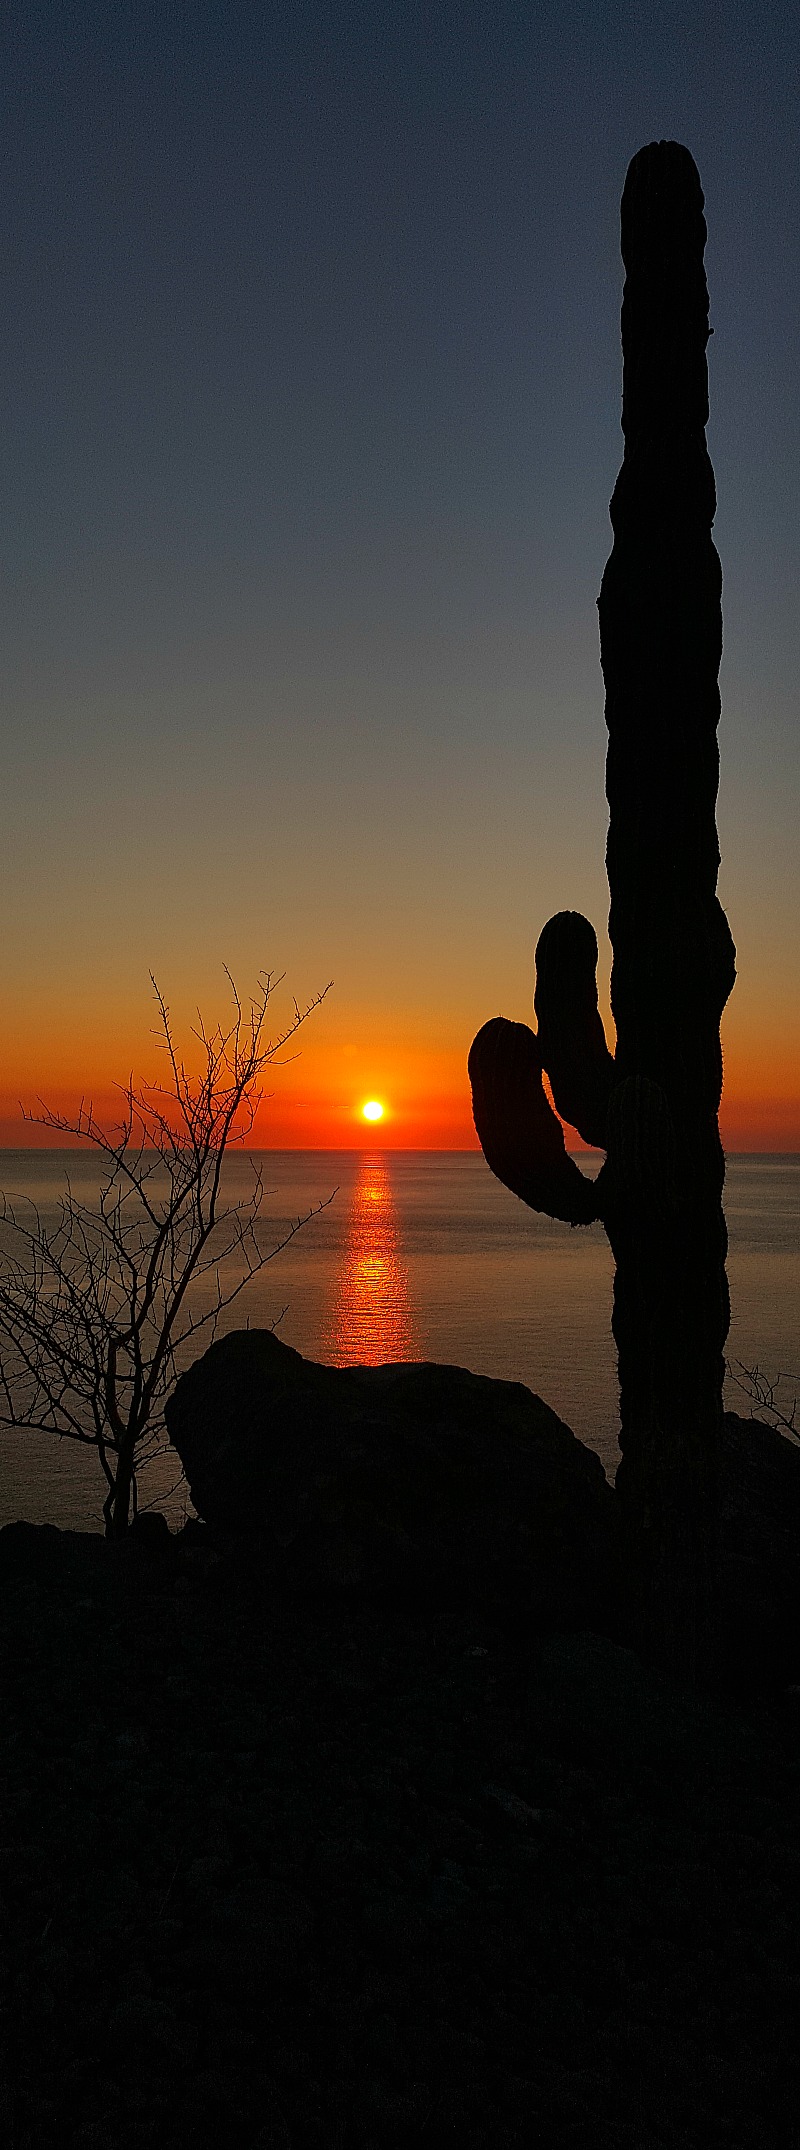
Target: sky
(311, 388)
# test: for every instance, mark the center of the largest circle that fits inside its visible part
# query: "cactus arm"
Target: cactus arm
(571, 1037)
(521, 1138)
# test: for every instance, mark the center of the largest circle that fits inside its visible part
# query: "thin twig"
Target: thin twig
(95, 1308)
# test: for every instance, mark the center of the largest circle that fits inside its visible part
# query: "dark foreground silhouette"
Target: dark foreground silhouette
(429, 1486)
(292, 1866)
(348, 1817)
(653, 1105)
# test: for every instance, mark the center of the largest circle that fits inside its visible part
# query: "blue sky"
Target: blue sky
(311, 391)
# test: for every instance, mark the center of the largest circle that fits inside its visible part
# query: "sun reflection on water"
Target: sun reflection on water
(371, 1319)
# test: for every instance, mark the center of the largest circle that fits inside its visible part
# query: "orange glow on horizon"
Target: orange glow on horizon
(368, 1055)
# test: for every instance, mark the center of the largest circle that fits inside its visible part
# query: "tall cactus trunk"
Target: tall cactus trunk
(653, 1107)
(673, 966)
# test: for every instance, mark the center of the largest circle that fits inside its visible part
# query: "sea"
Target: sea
(383, 1255)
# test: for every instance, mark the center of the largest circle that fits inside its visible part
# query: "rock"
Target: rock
(39, 1552)
(421, 1479)
(151, 1530)
(760, 1580)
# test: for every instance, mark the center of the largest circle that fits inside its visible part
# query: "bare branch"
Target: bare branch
(95, 1306)
(761, 1392)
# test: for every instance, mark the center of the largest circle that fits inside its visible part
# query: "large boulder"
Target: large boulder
(421, 1479)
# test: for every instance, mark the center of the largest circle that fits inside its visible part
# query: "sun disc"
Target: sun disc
(373, 1110)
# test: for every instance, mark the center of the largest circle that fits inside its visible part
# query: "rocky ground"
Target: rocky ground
(284, 1872)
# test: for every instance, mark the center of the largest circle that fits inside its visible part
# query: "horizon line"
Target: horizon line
(346, 1149)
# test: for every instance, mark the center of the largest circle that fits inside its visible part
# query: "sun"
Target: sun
(373, 1110)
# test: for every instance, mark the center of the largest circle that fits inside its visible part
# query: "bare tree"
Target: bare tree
(95, 1307)
(762, 1395)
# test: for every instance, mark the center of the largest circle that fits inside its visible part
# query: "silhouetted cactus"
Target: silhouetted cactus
(653, 1106)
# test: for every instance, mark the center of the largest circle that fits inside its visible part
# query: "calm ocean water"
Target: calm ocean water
(423, 1255)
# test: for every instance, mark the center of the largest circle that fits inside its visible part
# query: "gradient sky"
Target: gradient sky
(311, 393)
